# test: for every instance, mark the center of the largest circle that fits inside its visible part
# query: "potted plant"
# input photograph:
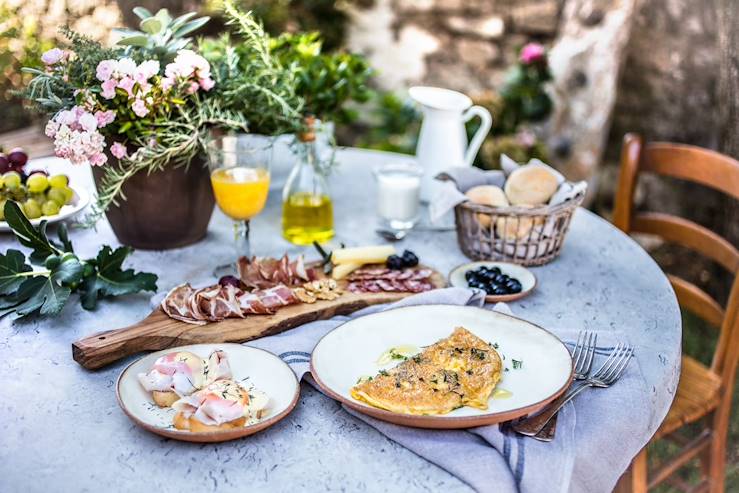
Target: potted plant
(309, 82)
(139, 113)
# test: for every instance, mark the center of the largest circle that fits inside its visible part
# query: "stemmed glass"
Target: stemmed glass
(239, 174)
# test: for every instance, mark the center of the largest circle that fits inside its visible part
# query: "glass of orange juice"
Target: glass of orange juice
(239, 174)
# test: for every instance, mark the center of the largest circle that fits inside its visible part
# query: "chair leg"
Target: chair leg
(717, 453)
(634, 480)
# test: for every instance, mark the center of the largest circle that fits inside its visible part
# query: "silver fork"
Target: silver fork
(582, 355)
(607, 375)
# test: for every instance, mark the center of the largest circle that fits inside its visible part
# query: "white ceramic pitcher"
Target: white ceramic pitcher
(443, 140)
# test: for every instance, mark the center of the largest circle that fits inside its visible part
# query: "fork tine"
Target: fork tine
(623, 357)
(622, 369)
(591, 352)
(578, 350)
(608, 363)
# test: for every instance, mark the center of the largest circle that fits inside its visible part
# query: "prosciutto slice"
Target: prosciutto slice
(378, 279)
(265, 273)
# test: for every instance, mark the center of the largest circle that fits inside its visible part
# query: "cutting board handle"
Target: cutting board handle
(103, 348)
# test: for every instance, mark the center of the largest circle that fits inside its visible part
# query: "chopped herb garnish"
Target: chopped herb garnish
(469, 372)
(417, 358)
(517, 364)
(383, 373)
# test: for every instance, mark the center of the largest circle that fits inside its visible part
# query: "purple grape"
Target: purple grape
(230, 280)
(18, 157)
(4, 163)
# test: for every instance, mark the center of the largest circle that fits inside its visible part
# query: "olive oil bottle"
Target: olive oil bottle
(307, 209)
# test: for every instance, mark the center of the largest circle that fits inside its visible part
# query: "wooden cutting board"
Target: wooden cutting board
(158, 331)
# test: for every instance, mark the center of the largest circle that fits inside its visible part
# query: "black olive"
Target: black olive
(514, 286)
(394, 262)
(500, 290)
(495, 270)
(469, 275)
(499, 279)
(410, 259)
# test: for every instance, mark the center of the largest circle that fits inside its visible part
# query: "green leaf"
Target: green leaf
(40, 294)
(111, 280)
(182, 19)
(138, 40)
(191, 26)
(69, 271)
(151, 25)
(27, 234)
(64, 238)
(12, 264)
(142, 13)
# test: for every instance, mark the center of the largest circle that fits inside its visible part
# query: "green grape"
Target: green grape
(50, 208)
(2, 182)
(12, 179)
(57, 195)
(37, 182)
(2, 209)
(19, 194)
(68, 194)
(58, 181)
(31, 209)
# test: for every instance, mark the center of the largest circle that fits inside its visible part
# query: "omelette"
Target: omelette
(460, 370)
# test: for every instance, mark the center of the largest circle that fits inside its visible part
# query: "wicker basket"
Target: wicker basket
(526, 236)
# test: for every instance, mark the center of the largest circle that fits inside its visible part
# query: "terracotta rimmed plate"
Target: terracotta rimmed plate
(352, 350)
(260, 368)
(524, 276)
(80, 200)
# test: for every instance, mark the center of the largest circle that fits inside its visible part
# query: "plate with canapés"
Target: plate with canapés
(207, 392)
(442, 366)
(501, 281)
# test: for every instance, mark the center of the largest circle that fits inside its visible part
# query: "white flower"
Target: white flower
(88, 122)
(126, 66)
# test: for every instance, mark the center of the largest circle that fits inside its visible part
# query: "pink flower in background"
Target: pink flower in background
(88, 122)
(207, 84)
(145, 71)
(54, 55)
(192, 88)
(125, 66)
(139, 107)
(118, 150)
(98, 159)
(105, 70)
(109, 88)
(127, 84)
(531, 53)
(104, 117)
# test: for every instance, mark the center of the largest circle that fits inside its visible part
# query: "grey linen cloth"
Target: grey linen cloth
(494, 458)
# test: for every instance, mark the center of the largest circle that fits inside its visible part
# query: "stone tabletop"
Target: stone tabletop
(62, 430)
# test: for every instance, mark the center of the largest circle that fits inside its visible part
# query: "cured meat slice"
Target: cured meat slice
(177, 304)
(265, 273)
(375, 280)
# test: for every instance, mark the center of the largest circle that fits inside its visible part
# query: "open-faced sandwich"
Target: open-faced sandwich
(222, 405)
(460, 370)
(179, 374)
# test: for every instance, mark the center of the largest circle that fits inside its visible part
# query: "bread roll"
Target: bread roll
(517, 227)
(531, 185)
(164, 399)
(487, 195)
(195, 425)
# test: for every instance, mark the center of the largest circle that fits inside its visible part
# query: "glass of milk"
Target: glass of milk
(398, 195)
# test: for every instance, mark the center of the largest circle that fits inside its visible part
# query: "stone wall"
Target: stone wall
(460, 44)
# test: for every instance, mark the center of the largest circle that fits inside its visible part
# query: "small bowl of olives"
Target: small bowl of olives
(501, 281)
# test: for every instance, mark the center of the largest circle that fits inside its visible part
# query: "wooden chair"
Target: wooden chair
(704, 393)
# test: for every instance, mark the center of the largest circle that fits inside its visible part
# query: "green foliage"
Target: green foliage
(325, 81)
(517, 147)
(389, 123)
(160, 35)
(524, 99)
(25, 291)
(250, 80)
(21, 45)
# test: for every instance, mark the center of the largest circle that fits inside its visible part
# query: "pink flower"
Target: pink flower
(118, 150)
(127, 84)
(167, 83)
(207, 83)
(88, 122)
(109, 88)
(51, 129)
(104, 117)
(52, 56)
(139, 107)
(531, 53)
(105, 69)
(126, 66)
(98, 159)
(146, 70)
(192, 88)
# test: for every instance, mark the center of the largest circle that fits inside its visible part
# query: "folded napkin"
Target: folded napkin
(585, 456)
(456, 181)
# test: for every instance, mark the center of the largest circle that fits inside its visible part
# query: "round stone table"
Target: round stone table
(62, 430)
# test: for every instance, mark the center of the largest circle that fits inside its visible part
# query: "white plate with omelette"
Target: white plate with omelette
(252, 368)
(442, 366)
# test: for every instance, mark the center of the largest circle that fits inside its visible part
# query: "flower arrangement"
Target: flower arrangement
(148, 102)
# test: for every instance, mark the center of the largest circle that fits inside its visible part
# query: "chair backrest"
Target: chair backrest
(707, 168)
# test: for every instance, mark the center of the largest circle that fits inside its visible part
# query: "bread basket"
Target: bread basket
(525, 236)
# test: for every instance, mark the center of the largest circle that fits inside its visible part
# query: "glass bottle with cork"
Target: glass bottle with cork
(307, 209)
